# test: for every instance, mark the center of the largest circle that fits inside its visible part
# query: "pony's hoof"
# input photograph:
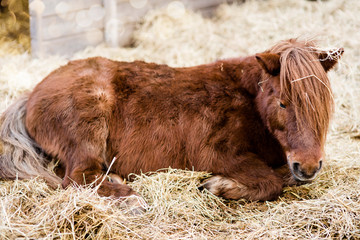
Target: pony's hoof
(134, 204)
(224, 187)
(114, 178)
(217, 184)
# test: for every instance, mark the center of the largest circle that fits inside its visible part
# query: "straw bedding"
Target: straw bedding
(327, 208)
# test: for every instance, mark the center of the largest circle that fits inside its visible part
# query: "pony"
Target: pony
(256, 123)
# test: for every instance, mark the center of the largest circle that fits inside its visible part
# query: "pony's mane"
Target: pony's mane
(305, 84)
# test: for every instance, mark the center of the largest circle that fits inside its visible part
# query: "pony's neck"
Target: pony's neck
(245, 72)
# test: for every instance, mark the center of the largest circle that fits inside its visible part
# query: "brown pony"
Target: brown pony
(257, 123)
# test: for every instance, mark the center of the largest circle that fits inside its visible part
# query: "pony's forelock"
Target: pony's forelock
(304, 83)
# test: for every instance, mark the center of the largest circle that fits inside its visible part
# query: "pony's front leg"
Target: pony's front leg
(247, 177)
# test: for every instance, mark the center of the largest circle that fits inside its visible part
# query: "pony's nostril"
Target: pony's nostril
(320, 164)
(296, 166)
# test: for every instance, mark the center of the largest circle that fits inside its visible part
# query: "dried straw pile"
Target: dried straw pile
(327, 208)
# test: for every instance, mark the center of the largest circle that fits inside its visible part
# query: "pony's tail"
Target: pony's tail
(21, 157)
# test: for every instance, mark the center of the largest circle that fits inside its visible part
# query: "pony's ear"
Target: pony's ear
(328, 59)
(270, 62)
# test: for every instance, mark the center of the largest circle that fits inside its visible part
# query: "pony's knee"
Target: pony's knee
(83, 174)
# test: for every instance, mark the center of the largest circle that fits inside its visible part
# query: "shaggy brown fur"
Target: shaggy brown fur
(239, 119)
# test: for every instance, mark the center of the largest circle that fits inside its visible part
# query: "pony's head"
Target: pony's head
(296, 102)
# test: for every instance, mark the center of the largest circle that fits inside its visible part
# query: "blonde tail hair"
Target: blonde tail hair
(21, 157)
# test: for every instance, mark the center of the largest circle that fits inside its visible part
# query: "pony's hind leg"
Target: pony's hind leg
(91, 172)
(72, 124)
(81, 149)
(87, 170)
(250, 178)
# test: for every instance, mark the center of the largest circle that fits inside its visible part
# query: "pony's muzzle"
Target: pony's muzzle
(305, 172)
